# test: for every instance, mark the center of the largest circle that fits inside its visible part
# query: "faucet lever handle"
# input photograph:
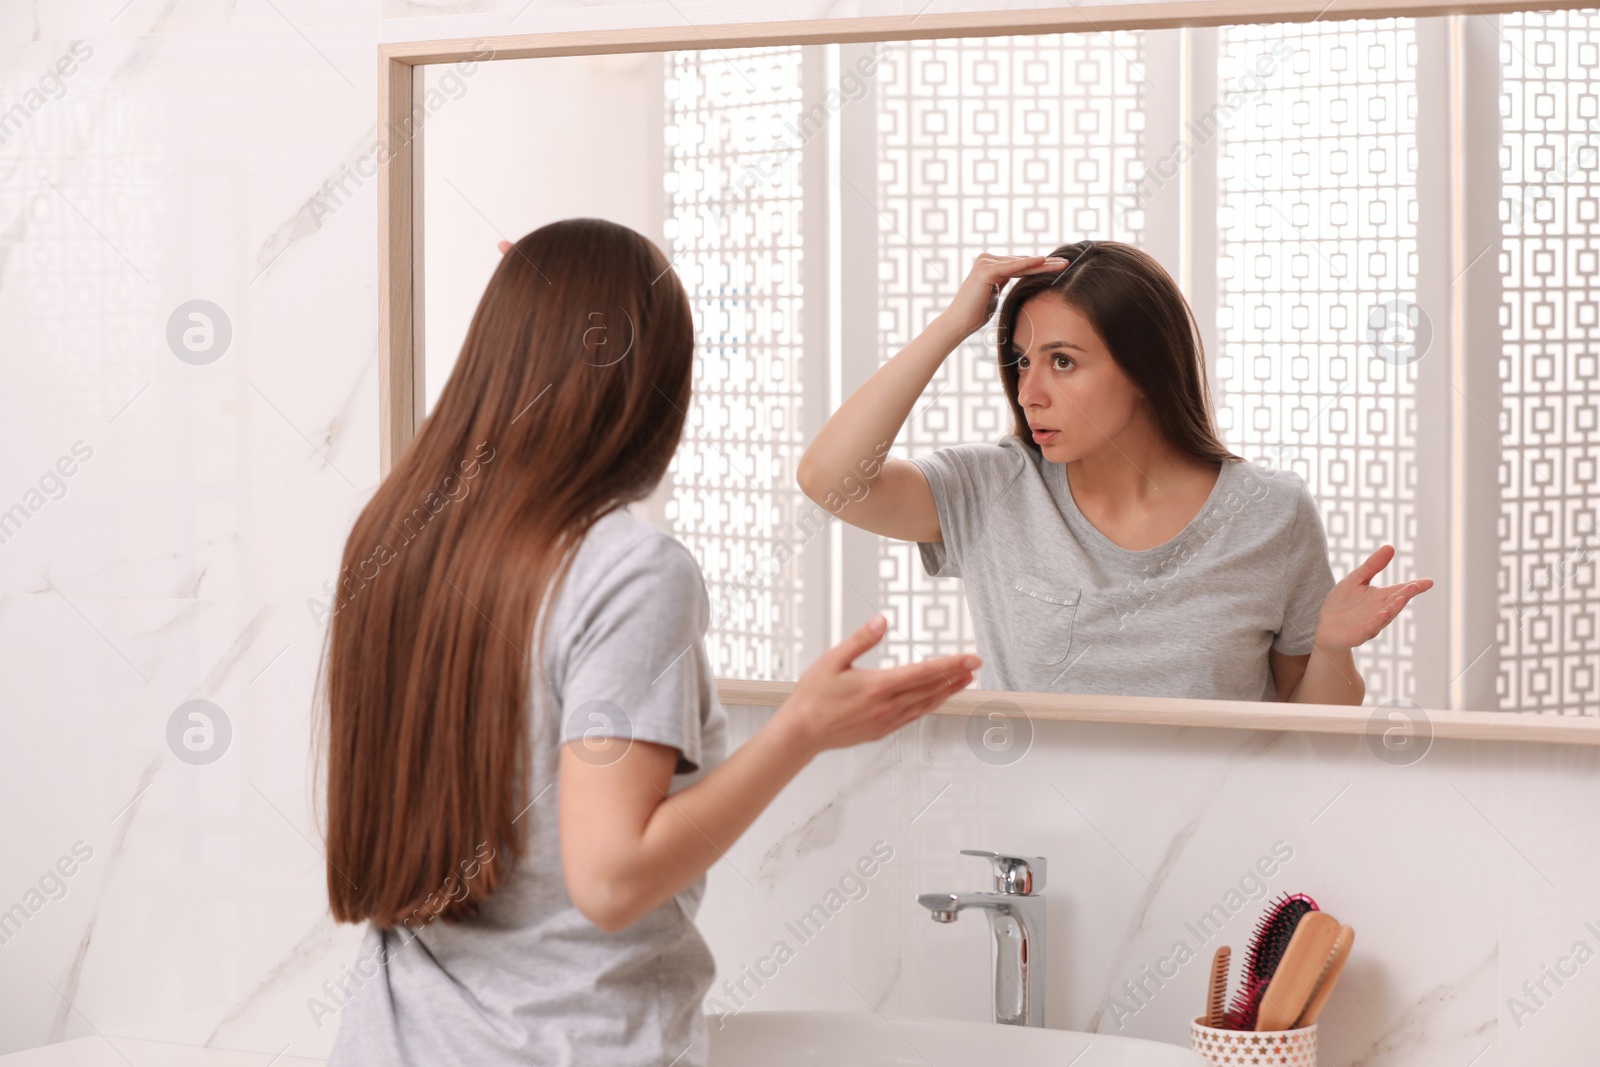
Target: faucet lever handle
(1016, 875)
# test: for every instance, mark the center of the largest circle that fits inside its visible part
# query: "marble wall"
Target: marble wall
(1464, 873)
(184, 488)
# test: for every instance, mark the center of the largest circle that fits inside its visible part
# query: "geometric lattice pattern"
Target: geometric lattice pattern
(1319, 333)
(1011, 146)
(1017, 145)
(1550, 363)
(733, 234)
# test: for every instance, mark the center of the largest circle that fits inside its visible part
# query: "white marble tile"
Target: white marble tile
(840, 812)
(413, 20)
(200, 887)
(188, 158)
(61, 20)
(1149, 829)
(216, 142)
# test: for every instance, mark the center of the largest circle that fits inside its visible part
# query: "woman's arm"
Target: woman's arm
(842, 468)
(627, 846)
(1353, 614)
(1322, 676)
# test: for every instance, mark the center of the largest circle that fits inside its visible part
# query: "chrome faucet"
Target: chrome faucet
(1016, 916)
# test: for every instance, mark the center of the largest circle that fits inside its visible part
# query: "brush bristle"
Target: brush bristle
(1246, 1006)
(1273, 932)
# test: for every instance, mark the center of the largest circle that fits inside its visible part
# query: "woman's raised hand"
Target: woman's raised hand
(1356, 612)
(979, 296)
(504, 246)
(835, 704)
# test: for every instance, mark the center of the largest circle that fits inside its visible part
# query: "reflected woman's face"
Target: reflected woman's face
(1075, 395)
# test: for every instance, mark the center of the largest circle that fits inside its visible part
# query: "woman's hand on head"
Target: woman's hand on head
(835, 704)
(1356, 611)
(979, 296)
(504, 246)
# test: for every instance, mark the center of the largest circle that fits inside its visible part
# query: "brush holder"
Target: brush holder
(1255, 1048)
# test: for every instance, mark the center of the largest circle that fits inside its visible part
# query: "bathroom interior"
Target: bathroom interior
(1386, 228)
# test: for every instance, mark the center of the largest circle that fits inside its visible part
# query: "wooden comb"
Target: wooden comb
(1219, 987)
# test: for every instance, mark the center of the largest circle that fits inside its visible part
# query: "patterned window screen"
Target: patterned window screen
(1006, 145)
(733, 233)
(1021, 144)
(1317, 261)
(1550, 362)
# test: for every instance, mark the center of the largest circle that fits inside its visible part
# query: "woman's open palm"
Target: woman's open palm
(1357, 611)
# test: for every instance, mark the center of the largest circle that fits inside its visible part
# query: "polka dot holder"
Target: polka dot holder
(1254, 1048)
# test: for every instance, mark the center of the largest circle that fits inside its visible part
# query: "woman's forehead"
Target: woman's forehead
(1053, 322)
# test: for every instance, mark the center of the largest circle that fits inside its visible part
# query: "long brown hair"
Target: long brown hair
(1147, 325)
(567, 400)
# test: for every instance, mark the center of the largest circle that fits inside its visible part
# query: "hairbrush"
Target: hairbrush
(1265, 952)
(1298, 974)
(1330, 975)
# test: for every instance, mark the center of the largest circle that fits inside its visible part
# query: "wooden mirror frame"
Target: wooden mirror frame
(400, 287)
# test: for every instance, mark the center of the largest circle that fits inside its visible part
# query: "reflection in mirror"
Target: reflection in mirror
(1408, 345)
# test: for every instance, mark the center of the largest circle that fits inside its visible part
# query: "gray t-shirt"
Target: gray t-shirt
(530, 980)
(1058, 607)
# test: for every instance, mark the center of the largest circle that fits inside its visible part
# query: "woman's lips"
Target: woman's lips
(1044, 437)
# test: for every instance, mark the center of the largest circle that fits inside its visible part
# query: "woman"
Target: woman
(1110, 544)
(524, 817)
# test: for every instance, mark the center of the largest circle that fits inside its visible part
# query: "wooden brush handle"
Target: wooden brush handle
(1330, 975)
(1218, 991)
(1297, 974)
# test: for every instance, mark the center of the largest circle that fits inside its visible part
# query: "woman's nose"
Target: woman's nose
(1026, 390)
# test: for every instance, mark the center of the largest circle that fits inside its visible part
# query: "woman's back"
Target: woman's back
(531, 980)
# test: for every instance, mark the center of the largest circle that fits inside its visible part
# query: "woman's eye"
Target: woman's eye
(1060, 360)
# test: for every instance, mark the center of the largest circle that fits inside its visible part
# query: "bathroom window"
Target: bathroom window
(1317, 235)
(733, 234)
(1389, 231)
(1549, 474)
(985, 145)
(960, 147)
(1303, 227)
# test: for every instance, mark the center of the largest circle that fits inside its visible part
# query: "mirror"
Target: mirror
(1396, 295)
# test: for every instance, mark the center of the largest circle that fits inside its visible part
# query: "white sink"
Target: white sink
(864, 1039)
(746, 1039)
(101, 1051)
